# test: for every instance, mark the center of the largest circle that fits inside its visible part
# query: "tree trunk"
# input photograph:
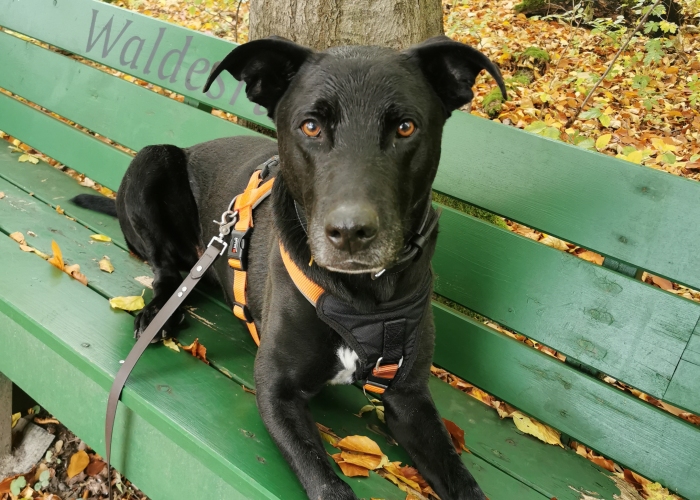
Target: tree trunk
(320, 24)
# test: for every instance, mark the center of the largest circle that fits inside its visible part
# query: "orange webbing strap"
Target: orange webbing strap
(244, 205)
(308, 288)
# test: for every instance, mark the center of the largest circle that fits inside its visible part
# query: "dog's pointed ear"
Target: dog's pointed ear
(451, 69)
(267, 66)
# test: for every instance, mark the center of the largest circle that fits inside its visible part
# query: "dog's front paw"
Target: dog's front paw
(146, 316)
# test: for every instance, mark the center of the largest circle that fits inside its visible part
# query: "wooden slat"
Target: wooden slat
(126, 113)
(635, 434)
(622, 327)
(684, 390)
(615, 207)
(62, 142)
(232, 352)
(67, 25)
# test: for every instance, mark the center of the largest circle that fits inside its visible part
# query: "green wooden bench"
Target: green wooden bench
(188, 430)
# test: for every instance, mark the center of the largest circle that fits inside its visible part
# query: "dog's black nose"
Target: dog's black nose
(351, 227)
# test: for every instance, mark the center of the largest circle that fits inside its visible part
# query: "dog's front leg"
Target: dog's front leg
(285, 412)
(417, 426)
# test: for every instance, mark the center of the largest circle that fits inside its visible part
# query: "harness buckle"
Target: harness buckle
(238, 249)
(247, 315)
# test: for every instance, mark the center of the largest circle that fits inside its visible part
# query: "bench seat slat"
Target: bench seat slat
(232, 352)
(126, 113)
(62, 142)
(684, 390)
(635, 434)
(620, 326)
(67, 25)
(609, 205)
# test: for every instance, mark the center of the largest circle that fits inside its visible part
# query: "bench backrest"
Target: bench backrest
(602, 318)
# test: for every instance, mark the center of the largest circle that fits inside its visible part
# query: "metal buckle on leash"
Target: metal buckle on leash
(221, 242)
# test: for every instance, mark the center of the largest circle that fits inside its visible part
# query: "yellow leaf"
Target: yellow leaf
(60, 210)
(635, 157)
(553, 242)
(534, 428)
(18, 237)
(100, 237)
(170, 344)
(74, 272)
(15, 419)
(130, 303)
(350, 470)
(602, 141)
(77, 464)
(29, 158)
(106, 265)
(361, 444)
(57, 258)
(662, 145)
(361, 459)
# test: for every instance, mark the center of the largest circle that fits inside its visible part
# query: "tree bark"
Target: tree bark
(320, 24)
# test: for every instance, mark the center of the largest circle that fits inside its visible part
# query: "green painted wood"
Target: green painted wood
(612, 206)
(684, 390)
(635, 434)
(620, 326)
(97, 100)
(55, 188)
(62, 142)
(67, 24)
(190, 403)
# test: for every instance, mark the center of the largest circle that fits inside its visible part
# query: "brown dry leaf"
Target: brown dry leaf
(2, 195)
(538, 429)
(46, 421)
(57, 257)
(603, 462)
(662, 283)
(130, 303)
(60, 210)
(504, 409)
(361, 444)
(77, 464)
(350, 470)
(95, 467)
(18, 237)
(362, 459)
(106, 265)
(525, 231)
(457, 435)
(197, 350)
(394, 469)
(74, 271)
(553, 242)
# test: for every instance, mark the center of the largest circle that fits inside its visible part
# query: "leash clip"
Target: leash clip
(220, 241)
(228, 220)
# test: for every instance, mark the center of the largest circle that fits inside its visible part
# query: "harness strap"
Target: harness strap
(308, 288)
(254, 194)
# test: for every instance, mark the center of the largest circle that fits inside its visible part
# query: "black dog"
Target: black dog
(359, 133)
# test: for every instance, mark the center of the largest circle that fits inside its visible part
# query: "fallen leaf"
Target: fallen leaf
(95, 467)
(60, 210)
(100, 237)
(57, 258)
(29, 158)
(328, 435)
(45, 421)
(662, 283)
(15, 419)
(394, 469)
(538, 429)
(146, 281)
(77, 464)
(106, 265)
(18, 237)
(362, 459)
(602, 141)
(2, 195)
(361, 444)
(456, 434)
(74, 271)
(129, 303)
(171, 344)
(197, 350)
(596, 258)
(350, 470)
(553, 242)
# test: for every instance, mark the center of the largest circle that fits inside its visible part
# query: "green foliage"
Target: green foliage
(529, 6)
(493, 102)
(536, 53)
(468, 209)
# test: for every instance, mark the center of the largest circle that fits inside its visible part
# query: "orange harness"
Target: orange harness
(388, 334)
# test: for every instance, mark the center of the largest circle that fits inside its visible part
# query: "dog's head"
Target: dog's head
(359, 131)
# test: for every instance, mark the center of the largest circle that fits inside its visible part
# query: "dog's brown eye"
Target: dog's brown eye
(406, 128)
(311, 128)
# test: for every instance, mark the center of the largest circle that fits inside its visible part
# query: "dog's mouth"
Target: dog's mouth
(352, 266)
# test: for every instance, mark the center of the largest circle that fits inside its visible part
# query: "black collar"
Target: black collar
(414, 246)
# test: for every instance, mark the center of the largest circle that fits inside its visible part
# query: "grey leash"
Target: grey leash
(215, 248)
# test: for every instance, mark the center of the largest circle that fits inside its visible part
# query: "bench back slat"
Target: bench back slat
(62, 142)
(684, 389)
(83, 26)
(633, 213)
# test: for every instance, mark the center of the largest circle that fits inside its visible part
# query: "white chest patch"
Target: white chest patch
(347, 358)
